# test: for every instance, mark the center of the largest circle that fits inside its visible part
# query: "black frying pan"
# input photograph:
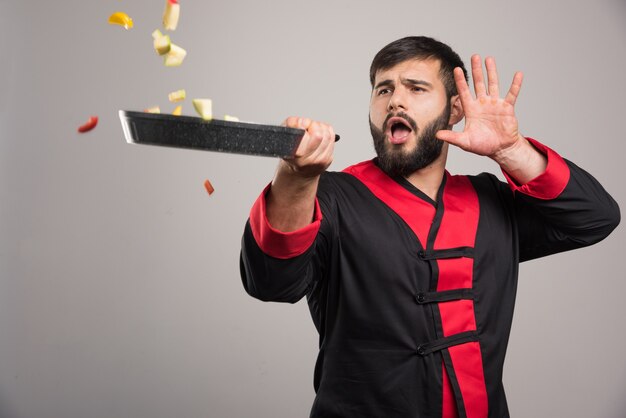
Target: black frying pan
(214, 135)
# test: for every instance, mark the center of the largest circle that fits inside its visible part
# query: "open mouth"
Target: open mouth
(399, 130)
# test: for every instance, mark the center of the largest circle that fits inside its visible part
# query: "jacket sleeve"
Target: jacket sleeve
(278, 266)
(562, 209)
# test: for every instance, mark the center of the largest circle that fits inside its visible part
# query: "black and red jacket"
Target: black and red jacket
(413, 298)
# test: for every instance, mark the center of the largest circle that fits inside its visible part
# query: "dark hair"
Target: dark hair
(422, 48)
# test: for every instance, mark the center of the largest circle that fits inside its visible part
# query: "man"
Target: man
(410, 272)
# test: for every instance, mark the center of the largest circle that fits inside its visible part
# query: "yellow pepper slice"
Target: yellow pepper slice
(122, 19)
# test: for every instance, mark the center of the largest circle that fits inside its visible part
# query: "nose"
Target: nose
(396, 101)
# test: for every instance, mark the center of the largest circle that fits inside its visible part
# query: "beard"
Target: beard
(398, 162)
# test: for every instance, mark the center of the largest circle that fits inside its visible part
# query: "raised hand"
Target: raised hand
(491, 126)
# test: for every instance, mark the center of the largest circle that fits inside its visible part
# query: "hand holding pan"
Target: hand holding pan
(212, 135)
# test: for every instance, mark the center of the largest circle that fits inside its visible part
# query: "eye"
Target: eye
(417, 89)
(383, 91)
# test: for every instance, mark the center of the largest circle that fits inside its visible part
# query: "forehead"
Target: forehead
(417, 69)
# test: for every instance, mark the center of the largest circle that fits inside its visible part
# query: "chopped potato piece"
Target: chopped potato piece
(178, 110)
(153, 109)
(161, 43)
(204, 107)
(231, 118)
(171, 14)
(177, 96)
(175, 56)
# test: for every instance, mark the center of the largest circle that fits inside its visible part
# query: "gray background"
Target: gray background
(119, 280)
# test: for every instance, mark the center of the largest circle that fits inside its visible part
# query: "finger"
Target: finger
(307, 145)
(290, 122)
(317, 133)
(324, 137)
(322, 157)
(477, 76)
(492, 77)
(304, 123)
(451, 137)
(314, 137)
(302, 149)
(324, 153)
(297, 122)
(330, 142)
(321, 146)
(461, 86)
(516, 86)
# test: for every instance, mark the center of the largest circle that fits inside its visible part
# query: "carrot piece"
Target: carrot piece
(209, 187)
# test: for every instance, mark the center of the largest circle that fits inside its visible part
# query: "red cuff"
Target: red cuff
(281, 244)
(549, 184)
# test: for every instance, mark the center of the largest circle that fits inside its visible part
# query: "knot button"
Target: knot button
(420, 298)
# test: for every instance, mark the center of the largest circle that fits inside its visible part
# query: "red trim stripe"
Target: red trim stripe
(458, 229)
(280, 244)
(551, 183)
(417, 213)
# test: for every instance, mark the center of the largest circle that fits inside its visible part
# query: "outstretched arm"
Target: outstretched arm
(291, 198)
(491, 127)
(282, 251)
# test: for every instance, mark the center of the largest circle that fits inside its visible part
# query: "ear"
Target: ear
(456, 110)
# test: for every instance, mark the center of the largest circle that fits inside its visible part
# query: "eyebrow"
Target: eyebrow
(405, 81)
(383, 83)
(417, 82)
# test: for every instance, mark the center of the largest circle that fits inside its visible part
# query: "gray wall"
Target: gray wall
(119, 280)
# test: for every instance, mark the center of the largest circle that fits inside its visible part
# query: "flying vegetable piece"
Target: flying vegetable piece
(204, 107)
(89, 125)
(178, 110)
(177, 96)
(171, 14)
(231, 118)
(153, 109)
(161, 43)
(209, 187)
(122, 19)
(175, 56)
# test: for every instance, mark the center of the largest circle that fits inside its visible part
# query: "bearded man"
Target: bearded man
(410, 272)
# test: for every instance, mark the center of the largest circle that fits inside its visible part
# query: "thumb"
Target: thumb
(451, 137)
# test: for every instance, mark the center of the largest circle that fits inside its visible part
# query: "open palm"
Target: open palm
(490, 123)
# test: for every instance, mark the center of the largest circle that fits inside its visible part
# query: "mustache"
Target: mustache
(402, 115)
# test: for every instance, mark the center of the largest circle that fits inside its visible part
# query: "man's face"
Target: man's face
(408, 106)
